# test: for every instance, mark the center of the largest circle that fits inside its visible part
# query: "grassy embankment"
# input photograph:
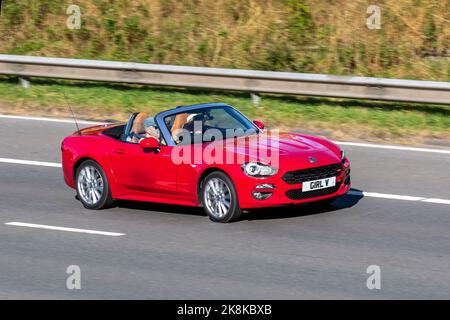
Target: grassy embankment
(337, 118)
(317, 36)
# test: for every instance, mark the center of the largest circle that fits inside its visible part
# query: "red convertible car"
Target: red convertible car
(207, 155)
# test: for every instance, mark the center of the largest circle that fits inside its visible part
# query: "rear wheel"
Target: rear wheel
(219, 198)
(92, 186)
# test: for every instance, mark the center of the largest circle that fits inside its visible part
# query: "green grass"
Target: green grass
(367, 120)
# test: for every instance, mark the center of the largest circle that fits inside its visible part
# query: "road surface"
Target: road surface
(172, 252)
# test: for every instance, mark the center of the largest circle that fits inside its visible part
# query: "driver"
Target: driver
(191, 120)
(186, 124)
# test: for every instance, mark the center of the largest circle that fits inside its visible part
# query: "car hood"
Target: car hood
(291, 150)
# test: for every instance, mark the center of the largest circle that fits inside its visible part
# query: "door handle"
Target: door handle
(119, 151)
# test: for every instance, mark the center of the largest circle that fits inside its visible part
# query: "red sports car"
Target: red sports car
(207, 155)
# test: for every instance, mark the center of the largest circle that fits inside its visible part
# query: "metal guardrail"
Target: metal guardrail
(228, 79)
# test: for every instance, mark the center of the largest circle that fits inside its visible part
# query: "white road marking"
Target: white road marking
(351, 192)
(42, 226)
(434, 200)
(397, 197)
(390, 147)
(5, 116)
(31, 163)
(387, 196)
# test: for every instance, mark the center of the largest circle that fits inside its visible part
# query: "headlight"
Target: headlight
(255, 169)
(342, 155)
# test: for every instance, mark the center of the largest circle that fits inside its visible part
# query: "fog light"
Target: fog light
(347, 180)
(261, 195)
(347, 177)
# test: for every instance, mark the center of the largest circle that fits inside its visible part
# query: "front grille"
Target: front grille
(299, 176)
(297, 194)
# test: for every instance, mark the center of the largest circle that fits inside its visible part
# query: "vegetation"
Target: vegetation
(337, 118)
(320, 36)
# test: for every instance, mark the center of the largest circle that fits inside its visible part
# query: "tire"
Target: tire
(94, 193)
(219, 198)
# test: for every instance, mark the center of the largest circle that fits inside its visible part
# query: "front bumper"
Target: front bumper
(288, 194)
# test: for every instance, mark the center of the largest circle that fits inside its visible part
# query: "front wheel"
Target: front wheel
(220, 198)
(92, 186)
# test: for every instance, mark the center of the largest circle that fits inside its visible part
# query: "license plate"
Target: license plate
(319, 184)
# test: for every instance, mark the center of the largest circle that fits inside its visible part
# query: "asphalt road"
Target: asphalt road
(171, 252)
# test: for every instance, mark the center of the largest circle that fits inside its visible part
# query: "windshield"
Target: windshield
(208, 124)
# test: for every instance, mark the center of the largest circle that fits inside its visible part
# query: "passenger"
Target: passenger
(138, 127)
(143, 127)
(151, 129)
(152, 132)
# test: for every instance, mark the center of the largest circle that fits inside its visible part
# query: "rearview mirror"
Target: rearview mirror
(259, 124)
(149, 144)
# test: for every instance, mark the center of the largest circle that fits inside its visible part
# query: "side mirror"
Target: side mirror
(149, 144)
(259, 124)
